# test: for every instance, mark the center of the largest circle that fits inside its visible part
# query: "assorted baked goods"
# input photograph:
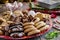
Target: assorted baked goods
(22, 23)
(16, 30)
(40, 25)
(42, 16)
(30, 29)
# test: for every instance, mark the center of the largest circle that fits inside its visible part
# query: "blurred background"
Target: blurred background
(5, 1)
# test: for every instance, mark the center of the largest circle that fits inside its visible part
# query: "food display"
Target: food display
(22, 23)
(28, 20)
(16, 31)
(42, 16)
(30, 28)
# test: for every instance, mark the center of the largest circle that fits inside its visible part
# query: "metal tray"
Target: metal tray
(49, 3)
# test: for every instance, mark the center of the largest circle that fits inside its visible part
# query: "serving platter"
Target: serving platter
(32, 36)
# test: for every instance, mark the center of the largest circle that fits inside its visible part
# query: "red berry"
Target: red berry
(53, 15)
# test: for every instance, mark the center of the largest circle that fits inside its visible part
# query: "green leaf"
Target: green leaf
(52, 35)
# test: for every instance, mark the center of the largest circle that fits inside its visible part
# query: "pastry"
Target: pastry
(29, 29)
(37, 20)
(16, 27)
(1, 28)
(43, 28)
(1, 32)
(4, 24)
(47, 16)
(33, 32)
(17, 35)
(29, 26)
(10, 22)
(6, 15)
(42, 16)
(18, 13)
(17, 20)
(21, 34)
(25, 12)
(3, 20)
(24, 19)
(28, 23)
(40, 22)
(40, 25)
(39, 15)
(21, 23)
(16, 30)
